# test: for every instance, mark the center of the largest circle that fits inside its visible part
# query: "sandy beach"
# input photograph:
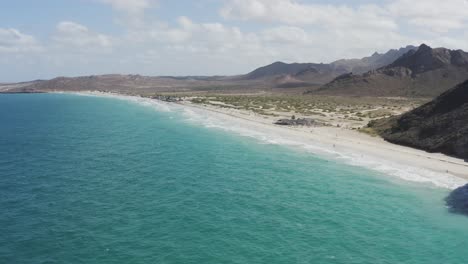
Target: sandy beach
(344, 145)
(355, 147)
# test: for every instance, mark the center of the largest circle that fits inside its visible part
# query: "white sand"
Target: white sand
(352, 147)
(331, 142)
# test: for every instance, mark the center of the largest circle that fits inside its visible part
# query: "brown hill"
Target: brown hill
(304, 73)
(438, 126)
(425, 72)
(131, 83)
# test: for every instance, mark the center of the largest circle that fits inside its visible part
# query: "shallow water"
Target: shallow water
(99, 180)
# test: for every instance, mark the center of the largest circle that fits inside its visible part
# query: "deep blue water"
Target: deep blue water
(100, 180)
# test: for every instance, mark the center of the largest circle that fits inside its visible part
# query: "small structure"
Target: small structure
(297, 122)
(167, 98)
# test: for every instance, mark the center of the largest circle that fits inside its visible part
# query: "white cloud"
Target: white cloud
(271, 30)
(76, 37)
(207, 43)
(133, 7)
(433, 15)
(13, 41)
(322, 32)
(294, 13)
(130, 13)
(286, 34)
(430, 15)
(206, 37)
(319, 32)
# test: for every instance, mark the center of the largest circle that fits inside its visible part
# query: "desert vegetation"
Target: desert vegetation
(351, 112)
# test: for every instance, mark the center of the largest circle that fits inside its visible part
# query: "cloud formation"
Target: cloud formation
(294, 13)
(13, 41)
(133, 7)
(432, 15)
(239, 35)
(77, 37)
(429, 15)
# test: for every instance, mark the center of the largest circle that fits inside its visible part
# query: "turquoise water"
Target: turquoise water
(100, 180)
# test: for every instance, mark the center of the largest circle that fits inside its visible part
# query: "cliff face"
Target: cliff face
(438, 126)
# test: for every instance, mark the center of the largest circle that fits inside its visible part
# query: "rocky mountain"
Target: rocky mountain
(376, 61)
(281, 68)
(284, 75)
(425, 72)
(438, 126)
(302, 74)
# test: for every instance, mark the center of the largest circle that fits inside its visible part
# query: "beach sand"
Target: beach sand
(358, 148)
(337, 143)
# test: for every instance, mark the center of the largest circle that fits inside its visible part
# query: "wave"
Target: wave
(271, 135)
(266, 135)
(155, 104)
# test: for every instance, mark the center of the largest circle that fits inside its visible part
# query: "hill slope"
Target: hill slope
(282, 74)
(438, 126)
(376, 61)
(130, 83)
(425, 72)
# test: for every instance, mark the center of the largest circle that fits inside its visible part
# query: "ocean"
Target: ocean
(88, 179)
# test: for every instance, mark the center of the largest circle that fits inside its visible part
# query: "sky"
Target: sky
(49, 38)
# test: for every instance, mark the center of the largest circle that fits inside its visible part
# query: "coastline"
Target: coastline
(342, 144)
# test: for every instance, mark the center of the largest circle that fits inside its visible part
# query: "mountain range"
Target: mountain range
(281, 74)
(410, 71)
(425, 72)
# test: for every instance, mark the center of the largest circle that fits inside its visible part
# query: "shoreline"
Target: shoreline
(353, 140)
(352, 147)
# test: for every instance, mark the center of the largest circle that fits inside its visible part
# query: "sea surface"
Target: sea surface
(86, 179)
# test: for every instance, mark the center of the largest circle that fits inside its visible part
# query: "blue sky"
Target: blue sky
(49, 38)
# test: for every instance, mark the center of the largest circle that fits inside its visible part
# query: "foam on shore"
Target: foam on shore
(274, 135)
(270, 134)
